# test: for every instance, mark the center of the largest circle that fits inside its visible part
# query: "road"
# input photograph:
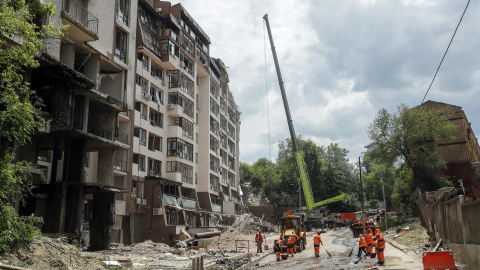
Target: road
(339, 243)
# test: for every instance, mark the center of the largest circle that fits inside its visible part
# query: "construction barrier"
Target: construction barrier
(439, 260)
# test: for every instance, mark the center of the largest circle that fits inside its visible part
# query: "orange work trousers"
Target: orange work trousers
(278, 256)
(380, 256)
(316, 248)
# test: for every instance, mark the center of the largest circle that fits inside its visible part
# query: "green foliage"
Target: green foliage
(15, 230)
(411, 135)
(21, 39)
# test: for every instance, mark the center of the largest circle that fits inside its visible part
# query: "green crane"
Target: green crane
(302, 168)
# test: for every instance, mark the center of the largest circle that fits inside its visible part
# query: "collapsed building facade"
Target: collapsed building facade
(143, 134)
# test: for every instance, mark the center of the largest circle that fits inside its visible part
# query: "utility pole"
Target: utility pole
(385, 204)
(361, 192)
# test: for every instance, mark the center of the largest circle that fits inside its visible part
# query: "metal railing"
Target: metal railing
(80, 14)
(169, 199)
(107, 134)
(122, 137)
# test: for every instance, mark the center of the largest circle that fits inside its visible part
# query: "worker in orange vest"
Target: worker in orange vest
(317, 240)
(381, 248)
(375, 238)
(369, 238)
(259, 240)
(278, 248)
(290, 244)
(362, 245)
(295, 237)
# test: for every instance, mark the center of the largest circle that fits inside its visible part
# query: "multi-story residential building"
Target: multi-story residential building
(84, 150)
(143, 138)
(176, 170)
(461, 154)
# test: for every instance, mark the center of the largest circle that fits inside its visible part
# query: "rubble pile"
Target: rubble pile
(231, 264)
(51, 253)
(227, 240)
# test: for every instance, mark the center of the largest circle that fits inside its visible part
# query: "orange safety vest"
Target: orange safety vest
(259, 237)
(316, 240)
(294, 236)
(362, 242)
(377, 231)
(369, 238)
(381, 243)
(291, 240)
(280, 243)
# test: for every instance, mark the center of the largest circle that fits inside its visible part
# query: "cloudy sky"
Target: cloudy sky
(341, 62)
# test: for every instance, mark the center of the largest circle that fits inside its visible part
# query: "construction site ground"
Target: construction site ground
(221, 253)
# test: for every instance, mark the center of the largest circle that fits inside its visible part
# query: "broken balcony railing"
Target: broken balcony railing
(216, 208)
(169, 199)
(81, 14)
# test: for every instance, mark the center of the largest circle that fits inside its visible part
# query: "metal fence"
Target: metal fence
(80, 14)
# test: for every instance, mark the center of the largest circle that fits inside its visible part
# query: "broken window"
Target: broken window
(123, 7)
(180, 148)
(213, 126)
(154, 167)
(121, 39)
(141, 134)
(154, 142)
(156, 71)
(142, 109)
(156, 118)
(214, 107)
(172, 216)
(140, 161)
(214, 183)
(214, 164)
(213, 144)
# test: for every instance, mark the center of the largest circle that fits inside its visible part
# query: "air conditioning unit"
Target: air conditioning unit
(144, 201)
(170, 106)
(182, 64)
(198, 105)
(159, 10)
(157, 211)
(138, 201)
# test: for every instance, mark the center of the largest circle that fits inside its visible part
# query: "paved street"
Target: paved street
(339, 243)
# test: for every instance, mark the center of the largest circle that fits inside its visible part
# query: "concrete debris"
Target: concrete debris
(227, 240)
(231, 264)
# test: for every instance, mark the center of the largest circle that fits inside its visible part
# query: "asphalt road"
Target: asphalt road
(339, 243)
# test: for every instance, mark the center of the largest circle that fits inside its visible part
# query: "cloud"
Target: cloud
(341, 62)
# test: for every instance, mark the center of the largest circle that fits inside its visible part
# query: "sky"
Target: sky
(341, 62)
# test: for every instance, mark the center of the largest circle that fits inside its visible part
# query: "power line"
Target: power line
(451, 40)
(439, 65)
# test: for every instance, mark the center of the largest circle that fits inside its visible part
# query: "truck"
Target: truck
(360, 222)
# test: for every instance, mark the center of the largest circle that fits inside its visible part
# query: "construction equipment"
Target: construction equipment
(293, 224)
(357, 226)
(305, 181)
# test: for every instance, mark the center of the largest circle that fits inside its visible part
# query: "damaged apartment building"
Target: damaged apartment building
(143, 134)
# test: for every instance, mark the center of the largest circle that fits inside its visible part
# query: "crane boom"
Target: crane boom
(302, 167)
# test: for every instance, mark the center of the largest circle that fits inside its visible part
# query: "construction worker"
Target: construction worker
(381, 248)
(317, 240)
(295, 236)
(259, 240)
(362, 245)
(290, 244)
(369, 238)
(278, 248)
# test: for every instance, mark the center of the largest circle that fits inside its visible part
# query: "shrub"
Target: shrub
(16, 230)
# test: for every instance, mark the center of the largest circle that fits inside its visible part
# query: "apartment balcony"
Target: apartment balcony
(216, 208)
(174, 131)
(83, 26)
(122, 137)
(169, 199)
(106, 134)
(189, 203)
(120, 165)
(175, 110)
(154, 173)
(215, 187)
(226, 197)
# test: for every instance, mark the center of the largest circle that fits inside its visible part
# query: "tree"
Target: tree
(21, 39)
(411, 135)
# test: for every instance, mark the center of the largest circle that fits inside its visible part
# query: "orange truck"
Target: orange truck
(357, 227)
(345, 216)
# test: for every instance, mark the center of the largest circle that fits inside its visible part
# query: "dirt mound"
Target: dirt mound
(51, 253)
(149, 245)
(227, 240)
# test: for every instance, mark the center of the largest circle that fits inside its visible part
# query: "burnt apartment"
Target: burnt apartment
(83, 83)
